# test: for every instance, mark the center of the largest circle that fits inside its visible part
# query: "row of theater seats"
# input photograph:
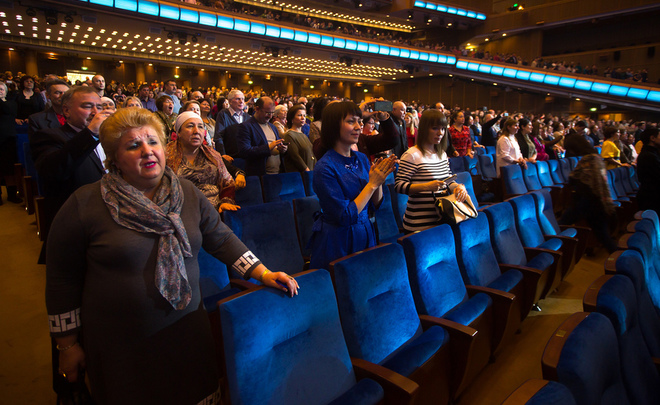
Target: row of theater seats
(429, 310)
(610, 353)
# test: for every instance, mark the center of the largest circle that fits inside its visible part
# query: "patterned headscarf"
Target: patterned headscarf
(174, 152)
(590, 171)
(131, 209)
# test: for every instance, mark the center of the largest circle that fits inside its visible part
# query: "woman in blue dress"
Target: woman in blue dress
(348, 187)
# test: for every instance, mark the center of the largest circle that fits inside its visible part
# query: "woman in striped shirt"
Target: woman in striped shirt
(422, 170)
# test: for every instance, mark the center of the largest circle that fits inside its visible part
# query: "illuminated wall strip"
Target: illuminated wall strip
(155, 8)
(426, 5)
(564, 81)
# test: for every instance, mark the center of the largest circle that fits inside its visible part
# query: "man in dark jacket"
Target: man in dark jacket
(259, 142)
(648, 171)
(576, 143)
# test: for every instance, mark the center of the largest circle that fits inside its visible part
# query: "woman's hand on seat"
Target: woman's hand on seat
(229, 207)
(240, 181)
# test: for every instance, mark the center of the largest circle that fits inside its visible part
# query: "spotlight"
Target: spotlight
(51, 17)
(68, 19)
(411, 15)
(31, 12)
(275, 51)
(183, 38)
(170, 35)
(285, 51)
(194, 39)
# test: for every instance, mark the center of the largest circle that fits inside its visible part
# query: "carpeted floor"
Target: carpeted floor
(25, 374)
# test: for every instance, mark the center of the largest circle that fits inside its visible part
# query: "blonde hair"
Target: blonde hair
(115, 126)
(128, 100)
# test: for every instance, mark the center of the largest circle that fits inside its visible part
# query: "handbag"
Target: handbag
(452, 212)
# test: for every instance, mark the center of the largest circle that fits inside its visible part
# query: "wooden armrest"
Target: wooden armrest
(577, 227)
(638, 214)
(530, 253)
(623, 241)
(241, 284)
(526, 271)
(495, 295)
(631, 226)
(398, 389)
(455, 329)
(591, 295)
(610, 262)
(554, 346)
(568, 239)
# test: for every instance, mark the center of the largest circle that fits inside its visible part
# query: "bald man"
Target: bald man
(397, 114)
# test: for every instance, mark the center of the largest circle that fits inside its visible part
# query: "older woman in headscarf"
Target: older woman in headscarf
(122, 285)
(191, 159)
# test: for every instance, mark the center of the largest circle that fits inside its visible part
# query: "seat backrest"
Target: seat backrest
(503, 234)
(583, 355)
(385, 220)
(526, 220)
(555, 172)
(465, 179)
(269, 231)
(617, 300)
(479, 151)
(322, 368)
(251, 194)
(378, 314)
(514, 183)
(573, 162)
(308, 182)
(305, 210)
(543, 171)
(653, 217)
(531, 177)
(457, 164)
(472, 163)
(632, 177)
(474, 252)
(399, 204)
(282, 187)
(565, 167)
(213, 276)
(487, 166)
(491, 150)
(610, 185)
(545, 213)
(435, 279)
(617, 181)
(625, 180)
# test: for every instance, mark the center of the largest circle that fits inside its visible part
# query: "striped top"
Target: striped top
(417, 168)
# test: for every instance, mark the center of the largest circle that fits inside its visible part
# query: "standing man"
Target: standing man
(576, 143)
(398, 113)
(52, 116)
(195, 95)
(98, 84)
(169, 90)
(258, 141)
(648, 170)
(226, 124)
(147, 102)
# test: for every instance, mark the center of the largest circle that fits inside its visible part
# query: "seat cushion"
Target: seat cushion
(365, 392)
(468, 311)
(506, 281)
(553, 393)
(541, 261)
(416, 351)
(551, 244)
(570, 232)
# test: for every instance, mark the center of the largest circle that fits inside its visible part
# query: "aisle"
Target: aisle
(25, 374)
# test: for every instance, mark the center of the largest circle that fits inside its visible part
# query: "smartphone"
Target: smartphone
(383, 106)
(450, 179)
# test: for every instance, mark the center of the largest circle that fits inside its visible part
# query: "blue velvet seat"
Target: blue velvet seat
(438, 290)
(614, 296)
(514, 183)
(540, 392)
(213, 280)
(641, 243)
(583, 355)
(308, 181)
(531, 177)
(290, 351)
(622, 182)
(251, 194)
(399, 204)
(577, 237)
(557, 193)
(457, 164)
(487, 167)
(653, 217)
(472, 163)
(239, 162)
(381, 324)
(305, 210)
(282, 187)
(555, 172)
(632, 178)
(631, 264)
(269, 231)
(491, 150)
(538, 266)
(531, 235)
(617, 185)
(386, 223)
(565, 168)
(465, 179)
(479, 267)
(573, 162)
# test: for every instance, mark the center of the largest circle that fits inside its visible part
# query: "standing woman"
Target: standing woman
(122, 279)
(209, 123)
(165, 112)
(422, 170)
(27, 99)
(299, 156)
(280, 119)
(527, 147)
(507, 149)
(411, 129)
(539, 144)
(8, 156)
(348, 187)
(460, 135)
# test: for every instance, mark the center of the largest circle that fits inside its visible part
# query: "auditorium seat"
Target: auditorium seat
(305, 210)
(557, 193)
(381, 324)
(282, 187)
(614, 296)
(251, 194)
(565, 167)
(583, 355)
(556, 173)
(512, 178)
(273, 357)
(531, 177)
(308, 182)
(573, 162)
(540, 392)
(386, 223)
(539, 267)
(269, 231)
(399, 204)
(438, 290)
(457, 164)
